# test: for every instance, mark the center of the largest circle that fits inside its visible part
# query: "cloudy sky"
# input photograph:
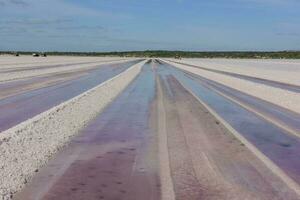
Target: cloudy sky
(118, 25)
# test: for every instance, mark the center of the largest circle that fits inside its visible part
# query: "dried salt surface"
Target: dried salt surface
(42, 71)
(286, 71)
(286, 99)
(28, 146)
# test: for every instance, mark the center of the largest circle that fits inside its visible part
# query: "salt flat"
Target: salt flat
(281, 97)
(8, 62)
(135, 128)
(287, 71)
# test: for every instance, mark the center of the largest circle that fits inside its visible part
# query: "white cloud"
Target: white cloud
(53, 8)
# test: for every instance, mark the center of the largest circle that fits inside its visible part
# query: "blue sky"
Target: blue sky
(119, 25)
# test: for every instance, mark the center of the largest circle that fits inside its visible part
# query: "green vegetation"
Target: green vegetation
(184, 54)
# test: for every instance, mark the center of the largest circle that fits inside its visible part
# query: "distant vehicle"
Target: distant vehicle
(178, 57)
(17, 54)
(43, 54)
(35, 55)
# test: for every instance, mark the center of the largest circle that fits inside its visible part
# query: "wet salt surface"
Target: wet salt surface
(16, 84)
(277, 113)
(16, 109)
(282, 148)
(111, 164)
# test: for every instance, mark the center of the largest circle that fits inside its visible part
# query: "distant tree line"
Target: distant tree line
(184, 54)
